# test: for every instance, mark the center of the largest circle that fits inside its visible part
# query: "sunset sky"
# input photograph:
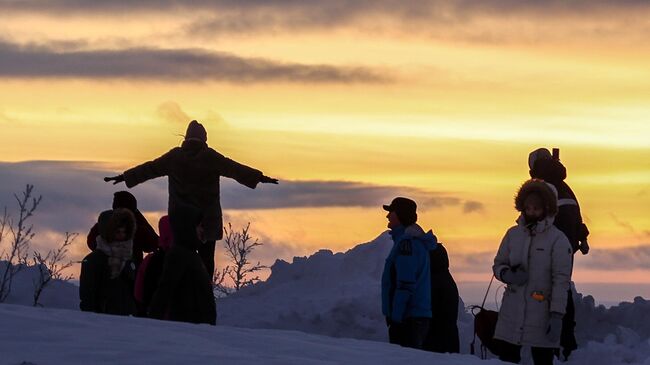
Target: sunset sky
(348, 103)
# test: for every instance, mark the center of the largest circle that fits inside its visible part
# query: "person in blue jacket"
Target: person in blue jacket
(406, 280)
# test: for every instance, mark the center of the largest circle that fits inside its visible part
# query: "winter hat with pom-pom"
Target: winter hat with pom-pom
(196, 132)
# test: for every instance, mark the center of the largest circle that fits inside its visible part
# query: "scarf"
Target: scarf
(118, 252)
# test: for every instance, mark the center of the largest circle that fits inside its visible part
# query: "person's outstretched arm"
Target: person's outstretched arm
(146, 171)
(243, 174)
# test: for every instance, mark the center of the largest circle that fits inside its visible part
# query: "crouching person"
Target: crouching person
(406, 280)
(108, 273)
(534, 260)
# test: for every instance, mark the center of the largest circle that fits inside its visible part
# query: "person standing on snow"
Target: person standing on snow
(194, 170)
(548, 167)
(406, 280)
(443, 330)
(534, 260)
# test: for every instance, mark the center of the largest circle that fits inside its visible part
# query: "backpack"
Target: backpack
(485, 323)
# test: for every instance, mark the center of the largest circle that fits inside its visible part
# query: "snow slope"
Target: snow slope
(338, 295)
(331, 294)
(58, 294)
(40, 336)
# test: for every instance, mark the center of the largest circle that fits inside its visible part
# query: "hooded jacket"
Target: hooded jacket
(145, 238)
(107, 274)
(194, 170)
(406, 280)
(568, 218)
(545, 254)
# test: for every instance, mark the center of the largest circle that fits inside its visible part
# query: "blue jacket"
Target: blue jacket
(406, 280)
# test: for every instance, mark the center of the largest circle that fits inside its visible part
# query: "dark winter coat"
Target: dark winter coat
(99, 293)
(108, 274)
(184, 291)
(568, 218)
(194, 170)
(144, 240)
(151, 268)
(443, 330)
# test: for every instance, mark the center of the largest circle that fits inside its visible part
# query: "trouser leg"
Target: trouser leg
(206, 251)
(415, 332)
(542, 355)
(395, 333)
(568, 338)
(509, 352)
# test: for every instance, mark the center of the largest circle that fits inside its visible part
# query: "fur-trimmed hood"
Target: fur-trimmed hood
(110, 220)
(545, 191)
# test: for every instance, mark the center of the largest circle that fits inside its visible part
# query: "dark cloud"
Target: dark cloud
(298, 194)
(19, 61)
(472, 206)
(74, 193)
(625, 258)
(327, 9)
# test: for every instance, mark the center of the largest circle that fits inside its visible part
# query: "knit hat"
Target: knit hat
(405, 209)
(124, 199)
(538, 154)
(196, 131)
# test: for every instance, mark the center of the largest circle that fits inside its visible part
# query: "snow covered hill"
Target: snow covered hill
(333, 294)
(40, 336)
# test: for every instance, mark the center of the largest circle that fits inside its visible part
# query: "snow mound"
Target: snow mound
(79, 338)
(327, 293)
(57, 294)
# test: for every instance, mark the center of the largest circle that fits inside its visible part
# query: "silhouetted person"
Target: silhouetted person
(184, 292)
(534, 261)
(194, 170)
(150, 270)
(145, 238)
(108, 273)
(406, 280)
(443, 330)
(543, 165)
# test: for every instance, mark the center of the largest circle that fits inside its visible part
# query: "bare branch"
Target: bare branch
(21, 233)
(239, 246)
(51, 266)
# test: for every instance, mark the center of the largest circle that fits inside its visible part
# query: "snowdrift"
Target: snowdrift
(332, 294)
(58, 294)
(38, 336)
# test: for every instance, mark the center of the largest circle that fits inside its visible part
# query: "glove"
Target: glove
(584, 247)
(554, 330)
(268, 180)
(512, 276)
(115, 179)
(388, 321)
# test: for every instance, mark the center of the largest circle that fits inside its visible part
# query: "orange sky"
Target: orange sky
(434, 97)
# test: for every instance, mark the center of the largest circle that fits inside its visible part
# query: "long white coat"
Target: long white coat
(545, 253)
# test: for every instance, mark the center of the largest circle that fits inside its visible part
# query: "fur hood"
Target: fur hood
(545, 191)
(110, 220)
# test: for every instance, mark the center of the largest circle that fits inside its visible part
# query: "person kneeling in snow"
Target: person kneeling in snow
(406, 280)
(108, 273)
(534, 260)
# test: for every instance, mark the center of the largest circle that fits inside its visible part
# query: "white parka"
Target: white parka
(545, 254)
